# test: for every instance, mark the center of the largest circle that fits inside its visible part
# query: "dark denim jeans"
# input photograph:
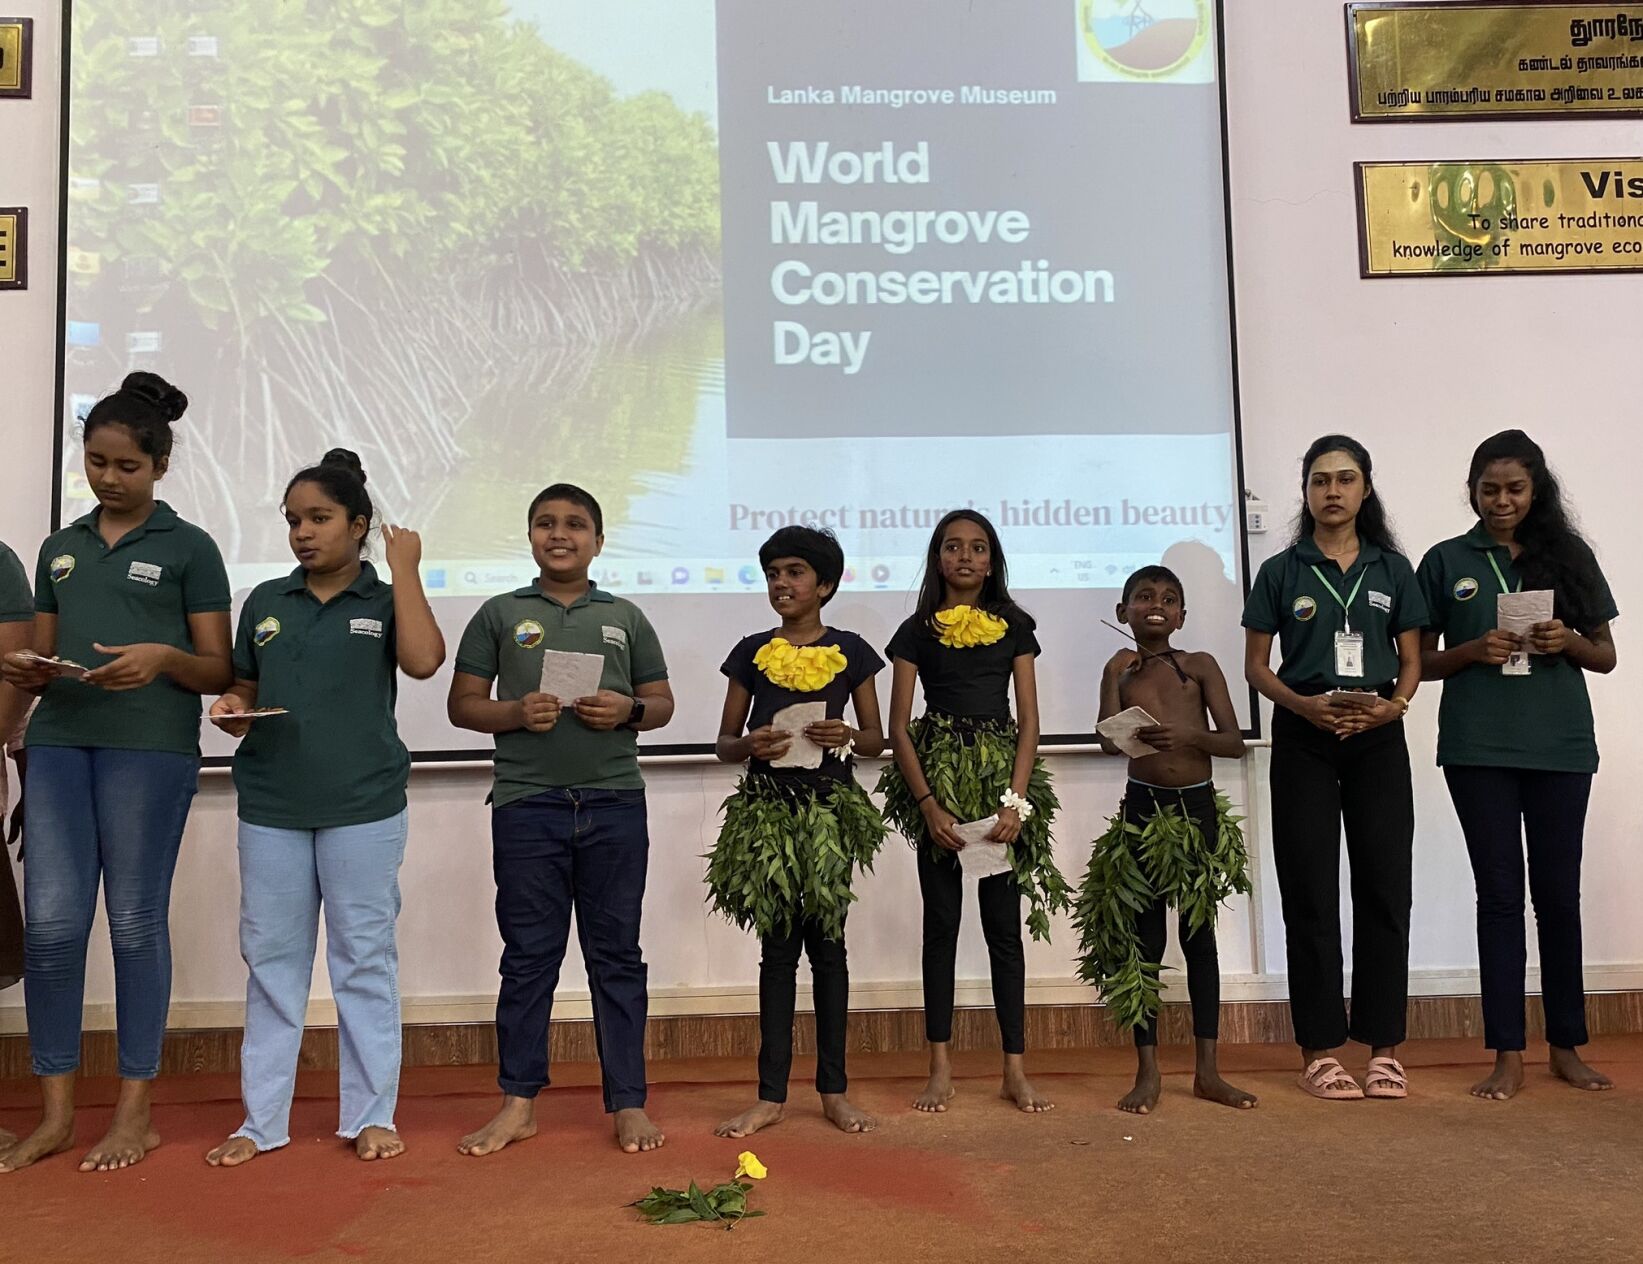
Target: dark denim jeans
(555, 850)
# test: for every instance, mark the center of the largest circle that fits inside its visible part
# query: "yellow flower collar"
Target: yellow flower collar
(965, 627)
(801, 668)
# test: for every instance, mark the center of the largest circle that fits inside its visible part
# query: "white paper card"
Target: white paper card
(1121, 731)
(981, 859)
(568, 677)
(64, 666)
(1518, 612)
(793, 720)
(1348, 654)
(257, 713)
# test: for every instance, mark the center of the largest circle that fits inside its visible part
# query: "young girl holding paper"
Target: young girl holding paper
(965, 760)
(798, 825)
(140, 596)
(321, 778)
(1347, 611)
(1518, 750)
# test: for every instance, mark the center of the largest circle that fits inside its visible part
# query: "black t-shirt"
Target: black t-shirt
(861, 664)
(973, 682)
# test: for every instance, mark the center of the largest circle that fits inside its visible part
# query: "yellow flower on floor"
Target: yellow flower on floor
(802, 668)
(964, 627)
(747, 1164)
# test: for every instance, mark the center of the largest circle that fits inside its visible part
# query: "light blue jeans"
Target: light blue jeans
(286, 877)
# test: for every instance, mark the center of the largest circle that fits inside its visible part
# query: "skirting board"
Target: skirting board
(744, 999)
(706, 1035)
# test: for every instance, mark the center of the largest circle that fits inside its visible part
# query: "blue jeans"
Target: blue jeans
(94, 813)
(589, 848)
(286, 876)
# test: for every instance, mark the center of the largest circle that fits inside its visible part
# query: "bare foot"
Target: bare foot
(53, 1136)
(233, 1152)
(378, 1143)
(1566, 1065)
(635, 1132)
(1505, 1080)
(845, 1116)
(1209, 1085)
(1143, 1098)
(759, 1115)
(516, 1121)
(7, 1140)
(126, 1144)
(1016, 1088)
(938, 1091)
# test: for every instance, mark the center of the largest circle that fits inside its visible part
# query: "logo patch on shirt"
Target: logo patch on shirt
(1381, 601)
(144, 573)
(265, 631)
(614, 636)
(365, 627)
(528, 634)
(1304, 608)
(61, 567)
(1465, 589)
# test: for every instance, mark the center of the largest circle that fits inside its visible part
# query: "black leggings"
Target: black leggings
(778, 986)
(941, 882)
(1203, 962)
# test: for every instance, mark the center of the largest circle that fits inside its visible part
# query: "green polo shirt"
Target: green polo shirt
(504, 642)
(1288, 598)
(1541, 721)
(337, 758)
(141, 590)
(16, 601)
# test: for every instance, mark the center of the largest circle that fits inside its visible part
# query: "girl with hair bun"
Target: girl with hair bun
(1518, 748)
(321, 776)
(140, 597)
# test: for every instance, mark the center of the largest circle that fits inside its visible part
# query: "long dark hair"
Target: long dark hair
(1555, 555)
(995, 589)
(1372, 524)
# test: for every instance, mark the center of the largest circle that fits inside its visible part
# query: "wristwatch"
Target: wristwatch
(635, 716)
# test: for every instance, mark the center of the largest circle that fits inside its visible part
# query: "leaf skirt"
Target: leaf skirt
(788, 852)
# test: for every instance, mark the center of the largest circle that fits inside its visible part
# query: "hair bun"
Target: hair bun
(157, 392)
(348, 460)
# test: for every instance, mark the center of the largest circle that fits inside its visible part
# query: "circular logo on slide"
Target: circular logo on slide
(62, 566)
(1466, 589)
(265, 631)
(1145, 39)
(1304, 608)
(527, 634)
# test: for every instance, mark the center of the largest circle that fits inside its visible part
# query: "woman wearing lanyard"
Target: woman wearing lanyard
(1515, 739)
(1345, 606)
(141, 597)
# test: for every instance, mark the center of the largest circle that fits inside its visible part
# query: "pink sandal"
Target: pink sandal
(1385, 1078)
(1327, 1080)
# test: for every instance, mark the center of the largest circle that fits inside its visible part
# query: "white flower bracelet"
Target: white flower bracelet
(1023, 809)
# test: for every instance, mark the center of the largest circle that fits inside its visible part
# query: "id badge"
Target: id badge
(1349, 654)
(1516, 664)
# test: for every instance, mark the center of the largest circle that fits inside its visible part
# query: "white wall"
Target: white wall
(1419, 370)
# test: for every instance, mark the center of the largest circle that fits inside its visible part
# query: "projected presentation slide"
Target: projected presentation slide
(728, 266)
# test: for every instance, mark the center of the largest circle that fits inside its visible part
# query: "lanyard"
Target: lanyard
(1503, 585)
(1351, 597)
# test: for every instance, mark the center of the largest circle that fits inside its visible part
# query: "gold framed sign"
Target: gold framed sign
(14, 247)
(1494, 59)
(16, 57)
(1500, 217)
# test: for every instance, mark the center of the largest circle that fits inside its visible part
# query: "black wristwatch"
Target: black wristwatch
(635, 716)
